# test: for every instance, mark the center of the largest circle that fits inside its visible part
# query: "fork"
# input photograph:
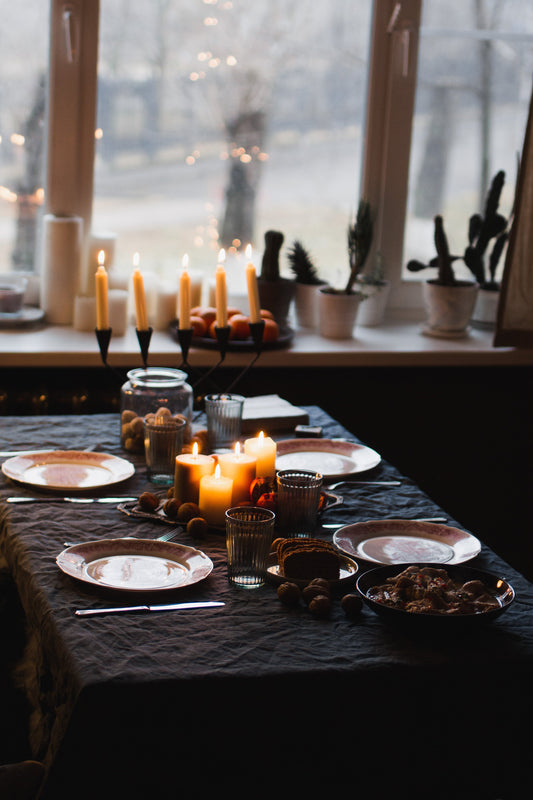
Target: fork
(165, 537)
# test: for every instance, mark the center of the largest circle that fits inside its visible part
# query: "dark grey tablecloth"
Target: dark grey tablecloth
(255, 697)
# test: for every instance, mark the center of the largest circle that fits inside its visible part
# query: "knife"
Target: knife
(69, 499)
(88, 612)
(10, 453)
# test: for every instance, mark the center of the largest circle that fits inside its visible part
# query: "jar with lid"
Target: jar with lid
(150, 391)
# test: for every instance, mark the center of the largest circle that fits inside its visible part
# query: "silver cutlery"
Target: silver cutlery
(165, 537)
(69, 499)
(91, 612)
(12, 453)
(418, 519)
(370, 483)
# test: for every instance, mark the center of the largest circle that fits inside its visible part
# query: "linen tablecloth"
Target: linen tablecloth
(256, 697)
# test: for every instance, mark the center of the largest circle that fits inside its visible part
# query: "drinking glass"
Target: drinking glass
(163, 441)
(297, 501)
(224, 418)
(249, 534)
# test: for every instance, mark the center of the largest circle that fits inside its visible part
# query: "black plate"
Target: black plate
(284, 339)
(502, 590)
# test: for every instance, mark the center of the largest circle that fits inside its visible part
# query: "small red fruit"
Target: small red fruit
(268, 500)
(260, 486)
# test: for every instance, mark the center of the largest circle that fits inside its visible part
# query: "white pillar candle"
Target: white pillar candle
(241, 468)
(61, 267)
(197, 284)
(165, 306)
(215, 497)
(118, 311)
(263, 449)
(190, 468)
(84, 313)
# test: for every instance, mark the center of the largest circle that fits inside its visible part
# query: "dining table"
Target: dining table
(255, 697)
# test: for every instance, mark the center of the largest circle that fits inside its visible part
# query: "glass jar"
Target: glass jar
(149, 391)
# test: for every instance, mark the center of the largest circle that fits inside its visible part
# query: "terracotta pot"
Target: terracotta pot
(485, 310)
(372, 308)
(277, 296)
(449, 308)
(306, 304)
(337, 313)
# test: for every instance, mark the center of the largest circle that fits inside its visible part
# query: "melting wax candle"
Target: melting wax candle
(253, 291)
(102, 307)
(190, 468)
(140, 298)
(215, 497)
(221, 293)
(241, 468)
(184, 298)
(263, 449)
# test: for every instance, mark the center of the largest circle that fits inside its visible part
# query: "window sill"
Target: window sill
(396, 342)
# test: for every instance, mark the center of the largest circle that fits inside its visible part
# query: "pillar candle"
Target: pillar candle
(184, 298)
(190, 468)
(140, 299)
(241, 468)
(102, 307)
(263, 449)
(215, 497)
(253, 291)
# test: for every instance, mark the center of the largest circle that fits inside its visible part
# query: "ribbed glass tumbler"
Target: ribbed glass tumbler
(224, 419)
(249, 534)
(298, 500)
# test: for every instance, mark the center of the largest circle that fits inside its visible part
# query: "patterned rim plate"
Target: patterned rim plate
(402, 541)
(135, 565)
(333, 459)
(68, 469)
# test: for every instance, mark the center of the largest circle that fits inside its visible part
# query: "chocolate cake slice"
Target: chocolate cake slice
(307, 558)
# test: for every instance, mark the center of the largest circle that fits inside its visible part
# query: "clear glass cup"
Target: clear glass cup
(249, 534)
(298, 497)
(224, 419)
(163, 441)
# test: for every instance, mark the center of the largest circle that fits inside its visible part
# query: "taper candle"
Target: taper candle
(253, 290)
(140, 298)
(102, 306)
(221, 293)
(184, 297)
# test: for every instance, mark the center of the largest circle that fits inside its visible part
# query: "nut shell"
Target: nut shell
(352, 605)
(148, 501)
(320, 606)
(289, 593)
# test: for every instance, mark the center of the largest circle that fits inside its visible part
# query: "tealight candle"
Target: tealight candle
(263, 449)
(253, 291)
(189, 470)
(241, 469)
(140, 299)
(215, 497)
(102, 308)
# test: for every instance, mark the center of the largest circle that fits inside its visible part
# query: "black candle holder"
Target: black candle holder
(185, 339)
(103, 337)
(144, 338)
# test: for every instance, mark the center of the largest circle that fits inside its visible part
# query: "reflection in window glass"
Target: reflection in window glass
(474, 85)
(219, 120)
(23, 68)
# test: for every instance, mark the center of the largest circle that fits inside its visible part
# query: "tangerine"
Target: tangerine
(271, 331)
(239, 326)
(266, 314)
(207, 313)
(198, 325)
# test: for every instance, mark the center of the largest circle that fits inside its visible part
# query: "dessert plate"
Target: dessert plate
(401, 541)
(333, 459)
(68, 469)
(348, 570)
(135, 565)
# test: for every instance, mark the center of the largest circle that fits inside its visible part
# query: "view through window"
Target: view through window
(23, 69)
(474, 85)
(219, 120)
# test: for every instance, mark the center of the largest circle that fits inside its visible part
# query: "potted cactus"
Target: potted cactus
(481, 230)
(338, 307)
(275, 292)
(306, 283)
(449, 300)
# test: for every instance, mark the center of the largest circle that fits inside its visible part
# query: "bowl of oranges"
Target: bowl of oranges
(203, 323)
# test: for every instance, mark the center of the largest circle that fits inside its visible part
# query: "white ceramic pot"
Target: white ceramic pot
(306, 305)
(486, 308)
(372, 308)
(449, 308)
(337, 314)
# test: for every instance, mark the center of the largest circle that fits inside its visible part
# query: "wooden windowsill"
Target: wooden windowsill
(394, 343)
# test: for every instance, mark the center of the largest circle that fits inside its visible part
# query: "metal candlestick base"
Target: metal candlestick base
(103, 337)
(144, 338)
(185, 339)
(222, 334)
(257, 330)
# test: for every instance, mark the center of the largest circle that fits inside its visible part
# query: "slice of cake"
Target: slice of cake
(307, 558)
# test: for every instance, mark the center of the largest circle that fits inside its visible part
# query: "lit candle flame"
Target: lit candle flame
(136, 259)
(101, 257)
(195, 449)
(248, 252)
(237, 449)
(217, 472)
(261, 437)
(222, 256)
(185, 261)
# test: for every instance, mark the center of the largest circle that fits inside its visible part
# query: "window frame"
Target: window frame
(72, 102)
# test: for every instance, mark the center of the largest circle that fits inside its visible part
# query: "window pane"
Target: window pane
(23, 70)
(220, 120)
(474, 84)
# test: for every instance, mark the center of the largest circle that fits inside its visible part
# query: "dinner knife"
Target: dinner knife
(91, 612)
(69, 499)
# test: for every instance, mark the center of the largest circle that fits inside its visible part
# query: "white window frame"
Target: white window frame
(387, 142)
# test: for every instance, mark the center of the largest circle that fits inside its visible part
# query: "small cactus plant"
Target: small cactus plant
(360, 234)
(481, 229)
(302, 266)
(270, 263)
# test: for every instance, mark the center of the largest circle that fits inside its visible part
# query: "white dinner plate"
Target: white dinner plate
(402, 541)
(68, 469)
(135, 565)
(333, 459)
